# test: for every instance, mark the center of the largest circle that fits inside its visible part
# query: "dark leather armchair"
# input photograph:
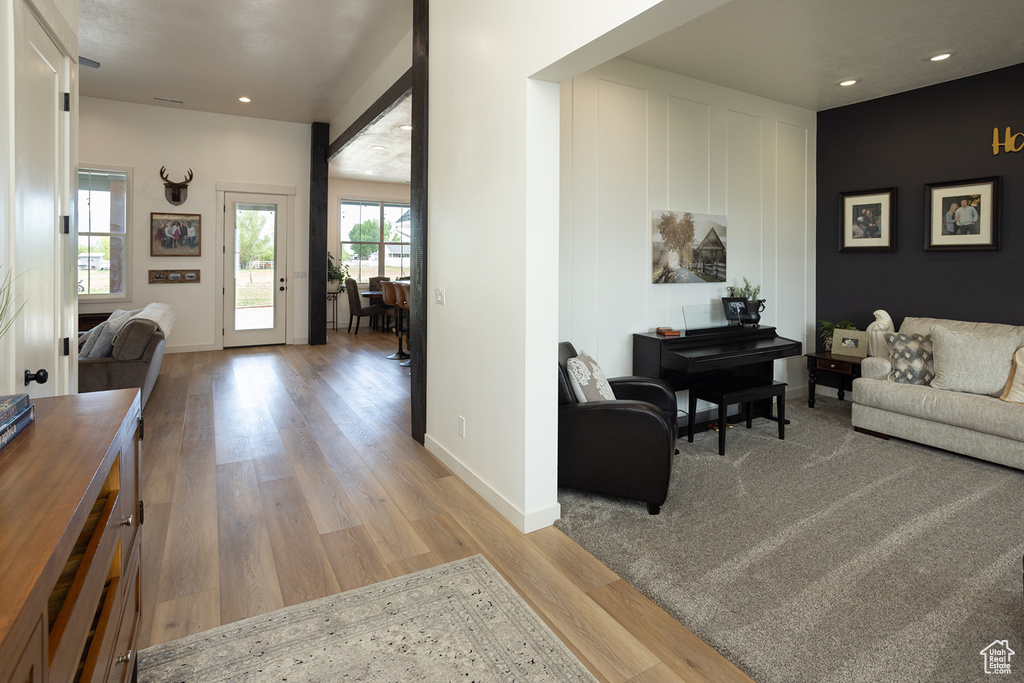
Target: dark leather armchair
(620, 448)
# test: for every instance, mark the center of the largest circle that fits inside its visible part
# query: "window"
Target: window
(103, 233)
(370, 229)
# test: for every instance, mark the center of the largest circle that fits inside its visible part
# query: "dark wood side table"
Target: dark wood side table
(845, 368)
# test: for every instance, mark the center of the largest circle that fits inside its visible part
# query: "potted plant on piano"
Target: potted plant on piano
(754, 304)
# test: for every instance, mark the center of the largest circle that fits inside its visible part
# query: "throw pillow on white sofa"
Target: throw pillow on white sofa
(972, 363)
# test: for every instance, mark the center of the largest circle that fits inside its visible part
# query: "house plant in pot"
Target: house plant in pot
(754, 305)
(337, 272)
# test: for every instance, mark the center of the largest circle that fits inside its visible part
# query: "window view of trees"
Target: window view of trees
(369, 229)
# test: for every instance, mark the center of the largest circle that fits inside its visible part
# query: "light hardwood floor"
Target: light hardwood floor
(275, 475)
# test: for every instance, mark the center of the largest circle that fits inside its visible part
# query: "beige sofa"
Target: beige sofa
(975, 422)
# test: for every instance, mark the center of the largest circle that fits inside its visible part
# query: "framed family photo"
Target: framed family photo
(962, 215)
(175, 234)
(867, 220)
(850, 343)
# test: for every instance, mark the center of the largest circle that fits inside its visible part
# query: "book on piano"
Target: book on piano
(667, 332)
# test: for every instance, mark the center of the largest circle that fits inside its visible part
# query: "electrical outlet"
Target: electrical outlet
(439, 295)
(462, 427)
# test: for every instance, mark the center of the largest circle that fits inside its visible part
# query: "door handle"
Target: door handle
(38, 376)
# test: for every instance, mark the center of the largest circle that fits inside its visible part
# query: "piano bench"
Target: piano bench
(730, 392)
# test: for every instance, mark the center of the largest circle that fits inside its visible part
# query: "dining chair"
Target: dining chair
(389, 292)
(356, 309)
(402, 289)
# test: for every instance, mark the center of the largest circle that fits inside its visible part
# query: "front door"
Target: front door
(255, 283)
(37, 207)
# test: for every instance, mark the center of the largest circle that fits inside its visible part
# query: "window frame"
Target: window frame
(128, 171)
(381, 243)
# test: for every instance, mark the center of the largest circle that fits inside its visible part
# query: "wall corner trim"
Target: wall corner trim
(525, 522)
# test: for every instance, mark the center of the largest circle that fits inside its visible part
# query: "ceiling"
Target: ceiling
(299, 65)
(296, 60)
(796, 51)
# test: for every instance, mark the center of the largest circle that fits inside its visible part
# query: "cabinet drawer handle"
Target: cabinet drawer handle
(128, 521)
(126, 658)
(833, 366)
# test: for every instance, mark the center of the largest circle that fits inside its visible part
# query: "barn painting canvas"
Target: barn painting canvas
(688, 247)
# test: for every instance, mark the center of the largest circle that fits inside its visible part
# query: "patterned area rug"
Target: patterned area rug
(460, 621)
(830, 556)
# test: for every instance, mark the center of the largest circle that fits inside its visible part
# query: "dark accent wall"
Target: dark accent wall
(935, 134)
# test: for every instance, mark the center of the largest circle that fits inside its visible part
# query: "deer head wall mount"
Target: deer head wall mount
(176, 193)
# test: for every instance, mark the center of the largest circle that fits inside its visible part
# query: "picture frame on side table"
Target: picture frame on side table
(962, 215)
(175, 234)
(867, 220)
(850, 343)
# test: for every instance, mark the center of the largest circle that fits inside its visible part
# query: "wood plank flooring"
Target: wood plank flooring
(275, 475)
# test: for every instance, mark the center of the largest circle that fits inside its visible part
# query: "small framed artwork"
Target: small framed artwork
(157, 277)
(867, 220)
(735, 308)
(850, 343)
(175, 234)
(962, 215)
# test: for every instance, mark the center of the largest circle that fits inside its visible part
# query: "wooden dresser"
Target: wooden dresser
(69, 541)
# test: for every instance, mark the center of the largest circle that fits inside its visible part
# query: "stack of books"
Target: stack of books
(667, 332)
(16, 413)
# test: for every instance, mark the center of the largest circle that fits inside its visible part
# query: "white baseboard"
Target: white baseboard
(190, 348)
(524, 521)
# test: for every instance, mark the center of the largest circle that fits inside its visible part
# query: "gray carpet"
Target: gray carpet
(457, 622)
(830, 556)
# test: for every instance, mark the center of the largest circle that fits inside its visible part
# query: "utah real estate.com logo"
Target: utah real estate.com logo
(997, 657)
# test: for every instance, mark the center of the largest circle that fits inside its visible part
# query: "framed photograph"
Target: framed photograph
(735, 308)
(867, 220)
(175, 234)
(850, 343)
(962, 215)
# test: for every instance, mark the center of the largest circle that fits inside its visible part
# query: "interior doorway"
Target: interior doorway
(255, 270)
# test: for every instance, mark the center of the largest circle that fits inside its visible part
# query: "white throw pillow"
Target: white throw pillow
(970, 362)
(588, 382)
(1014, 391)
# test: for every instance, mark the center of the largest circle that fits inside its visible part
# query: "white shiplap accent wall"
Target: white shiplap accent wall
(644, 140)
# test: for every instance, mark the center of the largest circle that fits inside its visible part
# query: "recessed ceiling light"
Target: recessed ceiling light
(406, 127)
(368, 172)
(244, 99)
(941, 56)
(849, 81)
(378, 147)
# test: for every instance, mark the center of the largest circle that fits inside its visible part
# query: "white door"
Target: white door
(38, 148)
(255, 284)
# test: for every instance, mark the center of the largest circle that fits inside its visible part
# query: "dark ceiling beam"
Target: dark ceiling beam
(385, 103)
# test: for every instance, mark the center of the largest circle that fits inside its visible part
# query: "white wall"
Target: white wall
(644, 140)
(493, 228)
(219, 149)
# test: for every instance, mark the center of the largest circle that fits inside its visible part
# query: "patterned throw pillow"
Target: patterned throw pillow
(1014, 390)
(911, 358)
(588, 382)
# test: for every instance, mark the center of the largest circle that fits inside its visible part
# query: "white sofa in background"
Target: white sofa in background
(960, 410)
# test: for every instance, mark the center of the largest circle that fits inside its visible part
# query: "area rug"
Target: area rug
(456, 622)
(830, 556)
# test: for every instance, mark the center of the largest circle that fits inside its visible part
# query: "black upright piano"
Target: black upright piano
(706, 356)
